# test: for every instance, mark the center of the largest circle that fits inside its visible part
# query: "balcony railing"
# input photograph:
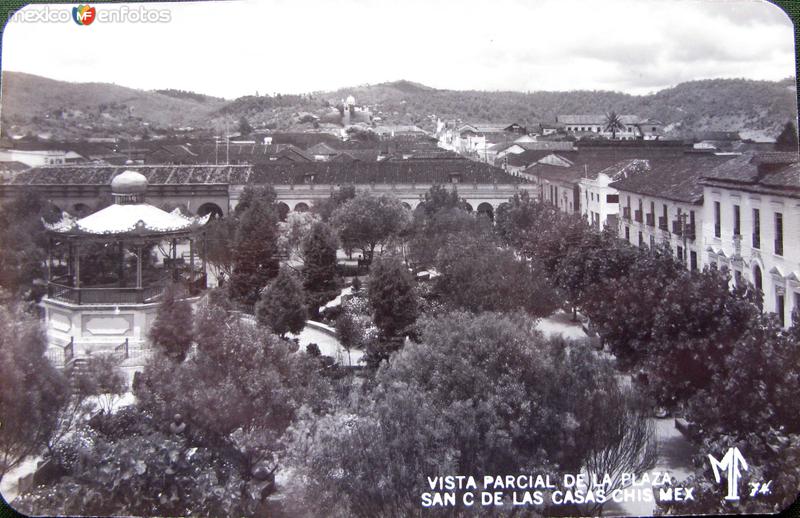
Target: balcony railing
(637, 215)
(663, 224)
(651, 220)
(687, 231)
(737, 245)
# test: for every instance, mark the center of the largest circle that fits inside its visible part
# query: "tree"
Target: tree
(319, 265)
(282, 307)
(613, 123)
(32, 393)
(293, 233)
(255, 259)
(477, 275)
(390, 290)
(244, 127)
(787, 140)
(203, 438)
(441, 215)
(367, 221)
(479, 395)
(172, 328)
(24, 243)
(325, 206)
(218, 250)
(595, 258)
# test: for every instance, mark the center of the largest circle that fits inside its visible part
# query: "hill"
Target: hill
(38, 104)
(758, 109)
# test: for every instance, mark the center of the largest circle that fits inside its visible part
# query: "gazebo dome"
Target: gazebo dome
(129, 182)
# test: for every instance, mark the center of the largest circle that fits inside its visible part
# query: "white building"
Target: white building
(633, 126)
(663, 203)
(752, 209)
(600, 201)
(38, 157)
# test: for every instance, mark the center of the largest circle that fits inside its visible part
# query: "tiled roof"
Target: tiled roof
(551, 145)
(405, 171)
(674, 179)
(759, 172)
(321, 149)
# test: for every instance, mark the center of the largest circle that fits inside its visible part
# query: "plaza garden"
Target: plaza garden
(442, 309)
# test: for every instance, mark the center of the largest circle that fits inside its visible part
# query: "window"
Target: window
(717, 220)
(627, 233)
(691, 225)
(736, 221)
(756, 228)
(778, 233)
(641, 240)
(693, 260)
(612, 198)
(680, 253)
(780, 301)
(592, 196)
(652, 241)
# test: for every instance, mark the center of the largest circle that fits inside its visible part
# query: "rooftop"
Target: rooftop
(673, 179)
(289, 173)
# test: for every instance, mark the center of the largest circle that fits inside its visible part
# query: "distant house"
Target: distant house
(633, 126)
(322, 151)
(35, 154)
(476, 139)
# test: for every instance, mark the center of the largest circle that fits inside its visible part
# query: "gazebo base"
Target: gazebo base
(75, 331)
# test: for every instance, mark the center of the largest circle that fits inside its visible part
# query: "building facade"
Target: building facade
(752, 214)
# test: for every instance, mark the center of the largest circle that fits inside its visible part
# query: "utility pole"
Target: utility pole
(683, 216)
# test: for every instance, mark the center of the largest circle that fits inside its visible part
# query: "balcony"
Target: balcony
(626, 213)
(637, 216)
(687, 231)
(737, 245)
(651, 220)
(663, 224)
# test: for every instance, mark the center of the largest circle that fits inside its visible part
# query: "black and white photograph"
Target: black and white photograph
(364, 258)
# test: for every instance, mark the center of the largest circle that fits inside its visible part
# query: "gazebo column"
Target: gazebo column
(49, 259)
(77, 259)
(191, 262)
(205, 252)
(121, 265)
(139, 267)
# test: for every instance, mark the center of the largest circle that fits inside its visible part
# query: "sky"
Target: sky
(235, 48)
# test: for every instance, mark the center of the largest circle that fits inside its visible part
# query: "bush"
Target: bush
(312, 349)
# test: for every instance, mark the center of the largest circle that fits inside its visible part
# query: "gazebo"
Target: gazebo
(107, 272)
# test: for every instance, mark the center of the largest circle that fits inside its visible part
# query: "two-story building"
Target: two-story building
(662, 202)
(632, 126)
(599, 200)
(752, 210)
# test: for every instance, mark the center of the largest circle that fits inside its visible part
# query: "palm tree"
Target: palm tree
(614, 124)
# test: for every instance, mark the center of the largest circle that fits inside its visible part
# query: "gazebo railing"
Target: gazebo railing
(61, 356)
(116, 295)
